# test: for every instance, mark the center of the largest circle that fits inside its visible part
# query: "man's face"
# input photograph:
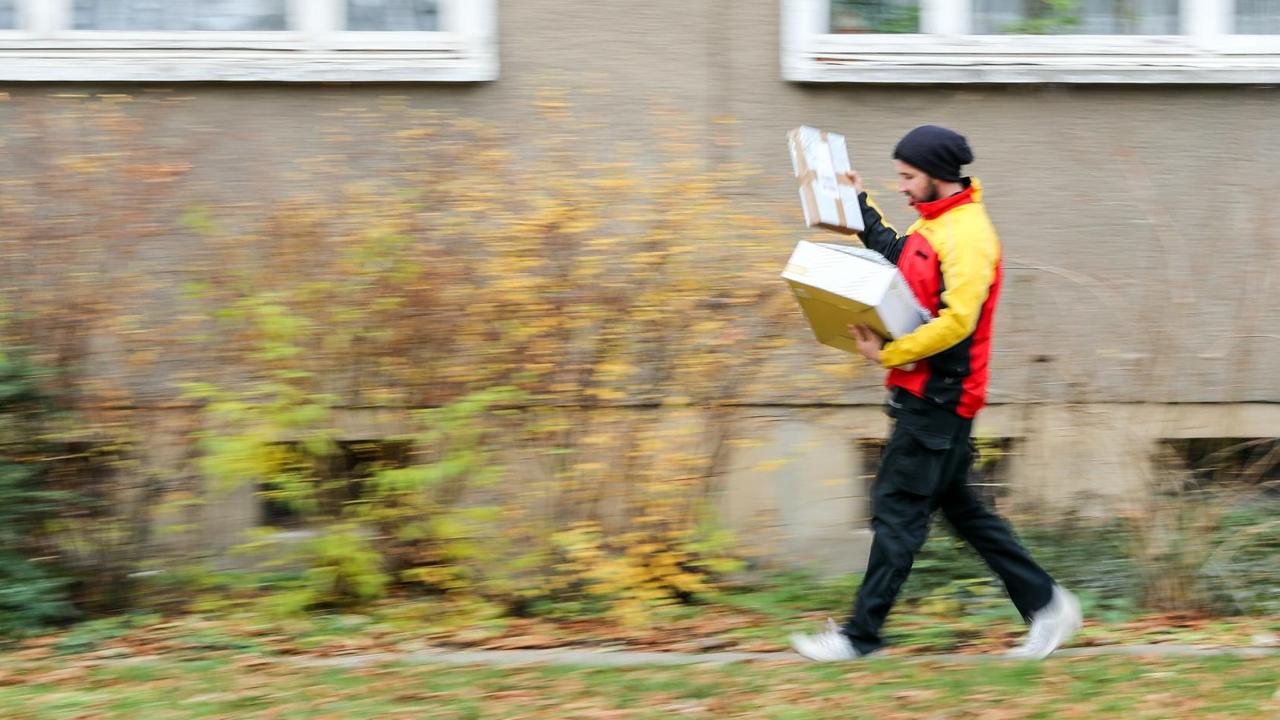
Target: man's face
(912, 182)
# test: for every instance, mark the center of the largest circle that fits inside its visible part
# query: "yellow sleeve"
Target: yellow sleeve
(968, 268)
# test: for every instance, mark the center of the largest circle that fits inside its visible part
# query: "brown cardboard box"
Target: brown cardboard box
(839, 285)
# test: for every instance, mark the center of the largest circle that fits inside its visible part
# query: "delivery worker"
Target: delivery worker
(950, 257)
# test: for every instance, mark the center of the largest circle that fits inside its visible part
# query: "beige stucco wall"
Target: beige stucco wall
(1137, 223)
(1139, 229)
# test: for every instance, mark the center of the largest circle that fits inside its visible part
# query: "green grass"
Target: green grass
(1058, 688)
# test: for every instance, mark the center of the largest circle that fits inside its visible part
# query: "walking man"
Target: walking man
(950, 257)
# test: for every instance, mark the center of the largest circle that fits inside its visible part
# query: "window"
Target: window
(875, 16)
(273, 40)
(1020, 41)
(339, 480)
(216, 15)
(1257, 17)
(388, 15)
(1223, 462)
(989, 475)
(1084, 17)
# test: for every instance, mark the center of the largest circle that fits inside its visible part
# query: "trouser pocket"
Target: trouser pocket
(916, 456)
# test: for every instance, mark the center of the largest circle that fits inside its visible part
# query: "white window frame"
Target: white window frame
(314, 48)
(946, 52)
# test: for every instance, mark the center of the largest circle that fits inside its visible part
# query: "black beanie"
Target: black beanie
(937, 151)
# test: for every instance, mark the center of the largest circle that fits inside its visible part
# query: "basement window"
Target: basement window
(1224, 462)
(340, 478)
(989, 476)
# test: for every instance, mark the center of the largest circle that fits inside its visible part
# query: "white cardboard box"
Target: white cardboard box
(820, 159)
(840, 285)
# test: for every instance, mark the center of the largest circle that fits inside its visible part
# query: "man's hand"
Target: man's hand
(869, 344)
(857, 181)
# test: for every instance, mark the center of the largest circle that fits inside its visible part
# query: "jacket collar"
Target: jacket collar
(936, 208)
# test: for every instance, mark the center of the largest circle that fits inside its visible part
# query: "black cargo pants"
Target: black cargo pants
(925, 467)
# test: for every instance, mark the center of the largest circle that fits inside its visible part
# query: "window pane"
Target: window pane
(180, 15)
(410, 15)
(875, 16)
(1084, 17)
(8, 17)
(1258, 17)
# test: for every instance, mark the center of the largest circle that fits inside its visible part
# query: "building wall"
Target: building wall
(1138, 230)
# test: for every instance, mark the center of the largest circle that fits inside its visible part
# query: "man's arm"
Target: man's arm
(968, 269)
(879, 235)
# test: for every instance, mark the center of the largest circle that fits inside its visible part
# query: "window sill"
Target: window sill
(248, 57)
(928, 59)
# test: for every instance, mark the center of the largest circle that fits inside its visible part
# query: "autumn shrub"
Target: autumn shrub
(566, 361)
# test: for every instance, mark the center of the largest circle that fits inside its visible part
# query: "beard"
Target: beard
(931, 194)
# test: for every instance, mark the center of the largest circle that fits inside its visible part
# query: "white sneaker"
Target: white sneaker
(1050, 626)
(827, 646)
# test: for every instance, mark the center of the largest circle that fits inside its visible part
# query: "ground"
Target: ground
(387, 665)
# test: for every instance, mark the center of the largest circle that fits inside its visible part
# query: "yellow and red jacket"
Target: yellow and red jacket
(950, 257)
